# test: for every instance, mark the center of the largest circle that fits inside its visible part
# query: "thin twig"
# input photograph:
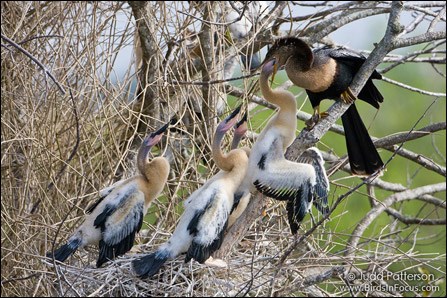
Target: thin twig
(35, 60)
(70, 157)
(351, 246)
(411, 88)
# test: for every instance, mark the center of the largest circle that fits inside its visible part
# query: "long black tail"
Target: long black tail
(149, 265)
(66, 250)
(363, 156)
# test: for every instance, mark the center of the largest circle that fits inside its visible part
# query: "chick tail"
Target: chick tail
(66, 250)
(149, 265)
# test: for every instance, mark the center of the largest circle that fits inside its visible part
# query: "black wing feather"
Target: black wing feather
(118, 237)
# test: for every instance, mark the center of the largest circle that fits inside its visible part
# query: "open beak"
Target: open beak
(235, 112)
(231, 120)
(156, 136)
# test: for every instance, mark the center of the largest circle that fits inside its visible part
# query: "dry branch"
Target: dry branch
(184, 51)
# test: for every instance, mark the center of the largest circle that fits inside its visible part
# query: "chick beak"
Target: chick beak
(275, 69)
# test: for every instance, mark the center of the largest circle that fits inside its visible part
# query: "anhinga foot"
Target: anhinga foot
(323, 115)
(315, 118)
(347, 96)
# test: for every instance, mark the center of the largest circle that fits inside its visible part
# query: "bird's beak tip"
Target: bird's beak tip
(230, 121)
(234, 113)
(275, 70)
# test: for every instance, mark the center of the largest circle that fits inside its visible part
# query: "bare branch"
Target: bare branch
(435, 21)
(28, 54)
(414, 220)
(185, 49)
(324, 28)
(312, 280)
(422, 38)
(151, 60)
(425, 92)
(375, 212)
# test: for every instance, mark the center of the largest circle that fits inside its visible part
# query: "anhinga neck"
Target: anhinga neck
(315, 75)
(142, 159)
(285, 119)
(219, 157)
(282, 98)
(302, 61)
(236, 140)
(238, 159)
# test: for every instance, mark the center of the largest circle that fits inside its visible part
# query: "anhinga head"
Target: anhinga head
(239, 131)
(150, 141)
(221, 129)
(286, 48)
(228, 122)
(241, 127)
(155, 137)
(268, 69)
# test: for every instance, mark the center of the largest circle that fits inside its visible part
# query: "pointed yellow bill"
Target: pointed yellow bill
(275, 69)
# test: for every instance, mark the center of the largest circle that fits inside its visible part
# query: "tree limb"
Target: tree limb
(353, 241)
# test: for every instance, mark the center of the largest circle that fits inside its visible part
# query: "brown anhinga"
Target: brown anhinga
(326, 73)
(114, 219)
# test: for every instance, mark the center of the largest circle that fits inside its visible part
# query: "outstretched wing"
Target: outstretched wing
(286, 180)
(119, 221)
(208, 224)
(313, 157)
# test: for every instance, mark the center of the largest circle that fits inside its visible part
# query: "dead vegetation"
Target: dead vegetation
(72, 119)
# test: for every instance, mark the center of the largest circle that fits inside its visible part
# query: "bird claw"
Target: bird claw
(324, 115)
(315, 118)
(310, 123)
(347, 96)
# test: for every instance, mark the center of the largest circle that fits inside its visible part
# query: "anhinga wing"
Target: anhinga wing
(209, 222)
(285, 180)
(344, 55)
(103, 193)
(313, 157)
(349, 57)
(119, 221)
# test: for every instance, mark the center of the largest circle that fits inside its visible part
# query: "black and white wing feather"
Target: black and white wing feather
(313, 157)
(208, 223)
(103, 193)
(119, 221)
(286, 180)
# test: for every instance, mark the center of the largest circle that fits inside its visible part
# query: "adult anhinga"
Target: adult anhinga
(326, 73)
(114, 219)
(269, 171)
(201, 227)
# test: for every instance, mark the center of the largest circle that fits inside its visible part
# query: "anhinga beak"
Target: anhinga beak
(230, 121)
(241, 127)
(156, 136)
(275, 69)
(270, 66)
